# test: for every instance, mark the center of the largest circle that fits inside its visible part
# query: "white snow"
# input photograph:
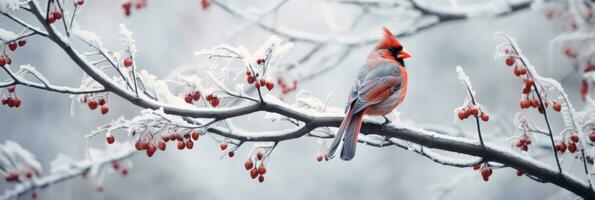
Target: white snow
(6, 5)
(6, 35)
(87, 36)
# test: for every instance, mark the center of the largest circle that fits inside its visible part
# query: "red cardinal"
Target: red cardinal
(380, 87)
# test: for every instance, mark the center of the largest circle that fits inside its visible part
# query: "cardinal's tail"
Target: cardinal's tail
(351, 133)
(339, 135)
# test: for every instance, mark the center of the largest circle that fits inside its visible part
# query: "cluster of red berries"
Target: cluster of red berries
(223, 147)
(5, 60)
(523, 143)
(183, 142)
(285, 88)
(262, 82)
(192, 96)
(54, 13)
(485, 171)
(11, 99)
(116, 165)
(528, 84)
(212, 99)
(256, 171)
(16, 175)
(127, 6)
(570, 144)
(519, 69)
(93, 102)
(205, 4)
(14, 44)
(465, 112)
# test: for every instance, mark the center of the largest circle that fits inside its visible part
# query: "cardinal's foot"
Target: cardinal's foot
(386, 122)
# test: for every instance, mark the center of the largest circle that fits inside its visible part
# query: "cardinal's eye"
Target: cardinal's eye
(394, 51)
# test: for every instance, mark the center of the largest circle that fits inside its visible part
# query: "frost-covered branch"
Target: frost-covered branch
(62, 168)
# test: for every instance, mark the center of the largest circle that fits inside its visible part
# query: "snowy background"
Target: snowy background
(168, 33)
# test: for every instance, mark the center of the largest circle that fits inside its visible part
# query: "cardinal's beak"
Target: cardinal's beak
(404, 54)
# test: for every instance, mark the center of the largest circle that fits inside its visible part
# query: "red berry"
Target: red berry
(177, 136)
(2, 61)
(126, 5)
(110, 139)
(253, 173)
(261, 178)
(528, 82)
(526, 90)
(12, 46)
(257, 85)
(92, 104)
(262, 169)
(16, 102)
(187, 135)
(101, 101)
(205, 4)
(29, 174)
(57, 15)
(11, 176)
(319, 157)
(270, 85)
(250, 79)
(592, 137)
(215, 102)
(517, 71)
(223, 146)
(124, 172)
(476, 167)
(519, 172)
(574, 137)
(557, 106)
(189, 144)
(510, 61)
(485, 174)
(461, 114)
(263, 82)
(196, 95)
(248, 164)
(195, 135)
(259, 155)
(188, 98)
(525, 103)
(572, 147)
(138, 145)
(181, 145)
(523, 70)
(474, 110)
(161, 145)
(128, 62)
(104, 109)
(80, 2)
(151, 150)
(485, 117)
(51, 19)
(116, 165)
(22, 42)
(231, 154)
